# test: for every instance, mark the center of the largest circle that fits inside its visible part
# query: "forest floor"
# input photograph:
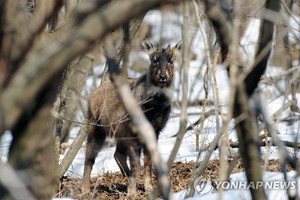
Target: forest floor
(114, 185)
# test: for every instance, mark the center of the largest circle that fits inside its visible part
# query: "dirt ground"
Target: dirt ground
(114, 185)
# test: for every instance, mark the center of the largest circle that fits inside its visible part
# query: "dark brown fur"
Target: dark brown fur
(152, 92)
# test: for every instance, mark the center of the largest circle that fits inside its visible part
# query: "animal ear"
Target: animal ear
(178, 46)
(149, 47)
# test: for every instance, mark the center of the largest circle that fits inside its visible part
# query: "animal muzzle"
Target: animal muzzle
(162, 77)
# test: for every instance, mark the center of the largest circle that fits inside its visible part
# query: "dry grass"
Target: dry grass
(114, 185)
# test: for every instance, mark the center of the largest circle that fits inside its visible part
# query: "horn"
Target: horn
(157, 45)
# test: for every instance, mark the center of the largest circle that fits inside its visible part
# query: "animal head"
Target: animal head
(161, 72)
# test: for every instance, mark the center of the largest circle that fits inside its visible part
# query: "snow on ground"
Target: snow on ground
(4, 145)
(187, 152)
(237, 189)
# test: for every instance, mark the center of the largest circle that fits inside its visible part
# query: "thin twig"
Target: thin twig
(185, 69)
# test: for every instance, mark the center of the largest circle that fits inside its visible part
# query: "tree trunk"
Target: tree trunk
(32, 149)
(69, 95)
(34, 158)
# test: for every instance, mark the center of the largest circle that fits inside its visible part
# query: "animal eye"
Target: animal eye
(155, 60)
(155, 63)
(170, 60)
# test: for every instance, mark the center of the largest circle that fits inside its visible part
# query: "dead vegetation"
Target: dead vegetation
(114, 186)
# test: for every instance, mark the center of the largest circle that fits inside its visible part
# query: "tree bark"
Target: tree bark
(32, 151)
(69, 95)
(36, 164)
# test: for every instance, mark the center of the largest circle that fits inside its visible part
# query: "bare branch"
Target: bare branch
(197, 172)
(246, 128)
(266, 35)
(68, 98)
(51, 55)
(185, 69)
(221, 25)
(69, 157)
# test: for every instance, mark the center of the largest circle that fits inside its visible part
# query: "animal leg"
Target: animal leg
(95, 140)
(134, 158)
(147, 171)
(121, 158)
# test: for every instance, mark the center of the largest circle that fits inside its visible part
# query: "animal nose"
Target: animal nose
(162, 77)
